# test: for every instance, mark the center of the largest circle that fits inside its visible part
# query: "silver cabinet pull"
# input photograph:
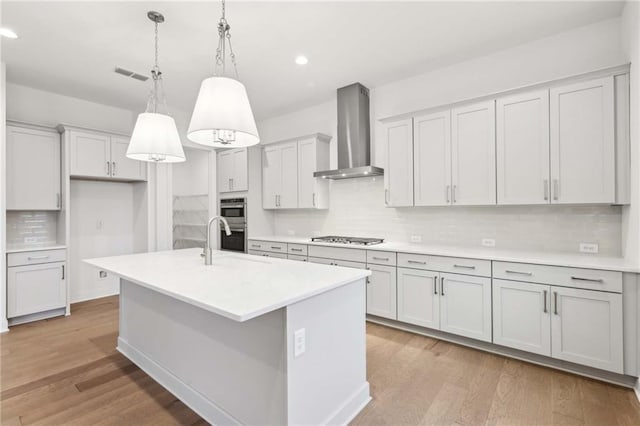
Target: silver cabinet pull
(386, 196)
(276, 248)
(435, 285)
(255, 246)
(441, 286)
(545, 302)
(296, 249)
(113, 168)
(63, 272)
(313, 199)
(368, 281)
(386, 259)
(556, 189)
(417, 262)
(593, 280)
(528, 274)
(555, 302)
(455, 187)
(108, 168)
(464, 266)
(447, 190)
(46, 256)
(58, 200)
(545, 184)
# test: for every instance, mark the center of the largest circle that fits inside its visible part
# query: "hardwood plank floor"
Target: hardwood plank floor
(66, 371)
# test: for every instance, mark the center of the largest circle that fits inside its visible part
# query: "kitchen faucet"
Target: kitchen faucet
(208, 251)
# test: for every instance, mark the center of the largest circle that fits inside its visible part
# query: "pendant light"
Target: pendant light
(222, 116)
(155, 136)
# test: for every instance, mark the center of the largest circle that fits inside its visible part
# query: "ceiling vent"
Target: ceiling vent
(131, 74)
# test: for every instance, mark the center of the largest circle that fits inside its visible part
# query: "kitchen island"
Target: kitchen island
(248, 339)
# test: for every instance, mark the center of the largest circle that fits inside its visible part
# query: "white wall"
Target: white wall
(3, 287)
(192, 176)
(573, 52)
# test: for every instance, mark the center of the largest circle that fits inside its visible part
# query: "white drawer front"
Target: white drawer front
(268, 254)
(297, 249)
(590, 279)
(377, 257)
(270, 246)
(334, 262)
(458, 265)
(297, 257)
(415, 261)
(36, 257)
(348, 254)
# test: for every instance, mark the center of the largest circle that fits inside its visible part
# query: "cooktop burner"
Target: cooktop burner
(348, 240)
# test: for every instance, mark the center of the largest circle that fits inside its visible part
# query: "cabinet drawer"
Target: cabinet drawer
(348, 254)
(378, 257)
(590, 279)
(297, 257)
(35, 257)
(297, 249)
(334, 262)
(415, 261)
(270, 246)
(458, 265)
(268, 254)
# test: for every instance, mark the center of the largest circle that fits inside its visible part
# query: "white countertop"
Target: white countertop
(22, 248)
(520, 256)
(237, 286)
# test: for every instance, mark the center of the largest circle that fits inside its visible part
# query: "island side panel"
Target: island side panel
(227, 371)
(327, 384)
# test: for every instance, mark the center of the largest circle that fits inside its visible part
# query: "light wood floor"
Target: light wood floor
(66, 371)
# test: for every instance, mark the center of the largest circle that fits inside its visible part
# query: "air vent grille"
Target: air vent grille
(131, 74)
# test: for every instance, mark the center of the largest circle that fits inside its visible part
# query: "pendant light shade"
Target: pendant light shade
(155, 136)
(222, 117)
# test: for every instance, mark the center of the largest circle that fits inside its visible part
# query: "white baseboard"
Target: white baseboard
(351, 408)
(636, 389)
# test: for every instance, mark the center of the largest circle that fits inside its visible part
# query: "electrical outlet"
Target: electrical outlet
(488, 242)
(102, 275)
(416, 238)
(588, 248)
(299, 342)
(29, 240)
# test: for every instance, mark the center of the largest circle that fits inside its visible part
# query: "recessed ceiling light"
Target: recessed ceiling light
(6, 32)
(302, 60)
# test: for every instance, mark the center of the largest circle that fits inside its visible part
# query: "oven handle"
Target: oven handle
(232, 206)
(236, 229)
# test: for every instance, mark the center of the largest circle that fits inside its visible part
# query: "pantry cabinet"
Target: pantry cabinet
(432, 159)
(398, 174)
(232, 170)
(418, 297)
(465, 306)
(522, 148)
(583, 142)
(381, 291)
(33, 169)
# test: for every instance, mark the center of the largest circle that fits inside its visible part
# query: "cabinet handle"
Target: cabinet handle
(417, 262)
(255, 246)
(464, 266)
(442, 286)
(386, 196)
(314, 199)
(58, 200)
(386, 259)
(296, 249)
(528, 274)
(113, 168)
(368, 269)
(545, 185)
(276, 248)
(556, 189)
(63, 272)
(108, 168)
(46, 256)
(593, 280)
(447, 190)
(545, 302)
(435, 285)
(454, 193)
(555, 302)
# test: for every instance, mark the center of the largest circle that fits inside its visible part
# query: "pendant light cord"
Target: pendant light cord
(224, 37)
(157, 89)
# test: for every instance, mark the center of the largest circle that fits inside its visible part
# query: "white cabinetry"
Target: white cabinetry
(123, 167)
(33, 169)
(465, 306)
(232, 170)
(583, 142)
(432, 159)
(418, 297)
(381, 291)
(398, 174)
(473, 154)
(313, 155)
(522, 148)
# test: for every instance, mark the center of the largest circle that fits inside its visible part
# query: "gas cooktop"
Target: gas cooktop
(348, 240)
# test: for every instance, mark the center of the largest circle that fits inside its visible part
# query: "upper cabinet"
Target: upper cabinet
(522, 148)
(287, 174)
(232, 170)
(102, 156)
(583, 142)
(33, 169)
(564, 144)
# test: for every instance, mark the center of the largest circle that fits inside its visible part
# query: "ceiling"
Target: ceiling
(73, 47)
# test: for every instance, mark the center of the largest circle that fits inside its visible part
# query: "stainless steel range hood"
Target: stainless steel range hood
(354, 141)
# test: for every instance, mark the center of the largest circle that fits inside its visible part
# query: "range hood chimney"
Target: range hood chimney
(354, 141)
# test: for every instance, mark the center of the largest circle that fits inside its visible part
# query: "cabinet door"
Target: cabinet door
(271, 176)
(582, 142)
(522, 148)
(288, 195)
(35, 288)
(381, 291)
(90, 154)
(418, 297)
(521, 316)
(307, 160)
(33, 169)
(465, 306)
(432, 159)
(586, 328)
(239, 181)
(473, 154)
(123, 167)
(225, 167)
(398, 175)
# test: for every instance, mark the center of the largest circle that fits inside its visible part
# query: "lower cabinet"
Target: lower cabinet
(465, 306)
(35, 288)
(268, 254)
(575, 325)
(381, 291)
(297, 257)
(418, 297)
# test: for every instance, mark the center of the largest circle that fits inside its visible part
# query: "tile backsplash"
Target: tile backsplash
(357, 209)
(26, 228)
